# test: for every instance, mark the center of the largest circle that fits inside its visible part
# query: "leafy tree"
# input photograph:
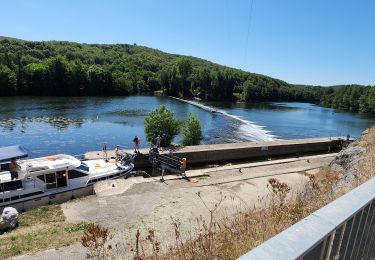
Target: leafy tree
(161, 121)
(184, 70)
(192, 131)
(7, 81)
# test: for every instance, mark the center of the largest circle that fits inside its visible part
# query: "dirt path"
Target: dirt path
(148, 204)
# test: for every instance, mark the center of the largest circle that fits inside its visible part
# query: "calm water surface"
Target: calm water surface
(49, 125)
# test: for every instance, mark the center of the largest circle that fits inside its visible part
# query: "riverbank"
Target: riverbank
(146, 204)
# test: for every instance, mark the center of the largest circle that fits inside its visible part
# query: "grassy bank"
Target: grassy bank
(40, 229)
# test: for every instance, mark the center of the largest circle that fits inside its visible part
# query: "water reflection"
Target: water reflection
(48, 125)
(60, 122)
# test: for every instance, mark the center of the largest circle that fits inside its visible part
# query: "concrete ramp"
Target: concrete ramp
(113, 187)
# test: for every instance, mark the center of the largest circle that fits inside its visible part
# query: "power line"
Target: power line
(251, 6)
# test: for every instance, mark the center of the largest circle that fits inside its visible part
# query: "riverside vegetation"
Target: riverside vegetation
(228, 237)
(161, 122)
(38, 229)
(71, 69)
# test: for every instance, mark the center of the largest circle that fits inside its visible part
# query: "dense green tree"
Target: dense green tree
(184, 70)
(192, 131)
(36, 79)
(8, 81)
(161, 122)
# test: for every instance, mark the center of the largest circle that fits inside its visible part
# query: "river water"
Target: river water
(50, 125)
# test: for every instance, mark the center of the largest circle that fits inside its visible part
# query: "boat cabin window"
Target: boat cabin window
(61, 179)
(72, 174)
(54, 180)
(84, 167)
(10, 185)
(4, 167)
(51, 181)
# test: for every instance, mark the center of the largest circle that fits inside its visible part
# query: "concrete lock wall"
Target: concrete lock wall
(247, 150)
(343, 229)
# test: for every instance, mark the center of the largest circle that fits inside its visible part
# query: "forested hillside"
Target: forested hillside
(353, 98)
(72, 69)
(66, 68)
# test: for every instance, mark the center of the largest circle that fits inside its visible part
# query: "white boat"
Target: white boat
(53, 179)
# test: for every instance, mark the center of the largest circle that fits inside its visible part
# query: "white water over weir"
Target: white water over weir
(247, 129)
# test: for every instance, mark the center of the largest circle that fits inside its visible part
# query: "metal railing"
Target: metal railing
(343, 229)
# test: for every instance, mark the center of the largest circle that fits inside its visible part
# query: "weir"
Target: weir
(201, 154)
(253, 131)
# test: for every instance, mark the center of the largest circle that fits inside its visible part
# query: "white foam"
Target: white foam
(249, 130)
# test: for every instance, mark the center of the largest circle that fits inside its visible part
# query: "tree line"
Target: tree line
(57, 68)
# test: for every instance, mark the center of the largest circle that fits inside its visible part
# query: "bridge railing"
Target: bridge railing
(343, 229)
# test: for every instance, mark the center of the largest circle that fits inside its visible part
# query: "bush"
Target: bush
(161, 121)
(192, 131)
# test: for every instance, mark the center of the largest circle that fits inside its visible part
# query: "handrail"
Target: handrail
(343, 229)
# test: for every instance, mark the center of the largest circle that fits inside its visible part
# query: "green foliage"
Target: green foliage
(78, 227)
(7, 81)
(72, 69)
(161, 121)
(353, 98)
(192, 131)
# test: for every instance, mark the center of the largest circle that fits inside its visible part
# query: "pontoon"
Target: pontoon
(53, 179)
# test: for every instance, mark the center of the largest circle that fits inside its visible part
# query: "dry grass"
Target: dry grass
(230, 236)
(39, 229)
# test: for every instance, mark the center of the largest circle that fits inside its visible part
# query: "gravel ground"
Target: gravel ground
(144, 204)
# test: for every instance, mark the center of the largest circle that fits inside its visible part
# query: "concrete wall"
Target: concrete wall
(240, 151)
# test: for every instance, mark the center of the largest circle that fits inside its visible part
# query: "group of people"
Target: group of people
(137, 146)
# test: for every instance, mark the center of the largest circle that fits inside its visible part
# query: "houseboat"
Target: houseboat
(53, 179)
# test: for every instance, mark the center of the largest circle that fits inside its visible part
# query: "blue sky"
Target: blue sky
(323, 42)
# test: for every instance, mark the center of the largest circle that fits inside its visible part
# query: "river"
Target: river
(74, 125)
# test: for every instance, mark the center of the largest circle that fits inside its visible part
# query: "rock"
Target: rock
(365, 132)
(349, 156)
(9, 218)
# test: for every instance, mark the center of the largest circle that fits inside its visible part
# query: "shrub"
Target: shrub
(161, 121)
(192, 131)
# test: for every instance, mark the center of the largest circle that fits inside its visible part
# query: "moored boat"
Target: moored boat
(53, 179)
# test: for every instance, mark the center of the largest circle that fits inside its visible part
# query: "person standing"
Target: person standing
(117, 153)
(105, 154)
(158, 141)
(13, 169)
(137, 144)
